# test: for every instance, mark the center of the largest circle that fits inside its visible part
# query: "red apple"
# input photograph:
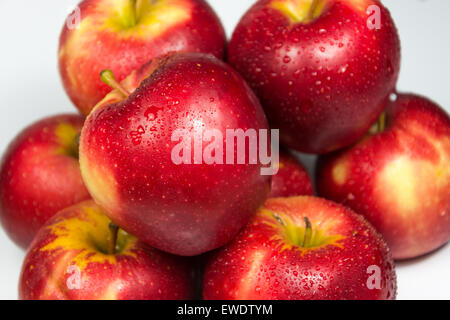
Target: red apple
(127, 147)
(321, 73)
(303, 248)
(398, 176)
(80, 255)
(291, 178)
(40, 175)
(122, 35)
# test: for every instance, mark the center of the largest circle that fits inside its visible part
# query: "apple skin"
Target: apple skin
(125, 155)
(321, 83)
(40, 175)
(262, 263)
(74, 243)
(100, 42)
(399, 179)
(292, 179)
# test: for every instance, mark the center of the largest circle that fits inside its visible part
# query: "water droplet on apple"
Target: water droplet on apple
(343, 69)
(393, 97)
(151, 113)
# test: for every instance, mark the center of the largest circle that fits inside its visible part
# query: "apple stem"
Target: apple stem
(136, 11)
(307, 234)
(114, 231)
(312, 8)
(381, 125)
(107, 76)
(76, 146)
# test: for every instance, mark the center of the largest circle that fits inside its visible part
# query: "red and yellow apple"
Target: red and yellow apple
(302, 248)
(320, 72)
(124, 34)
(128, 142)
(40, 175)
(80, 255)
(398, 176)
(291, 178)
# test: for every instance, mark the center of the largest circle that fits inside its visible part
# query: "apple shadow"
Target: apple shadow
(411, 261)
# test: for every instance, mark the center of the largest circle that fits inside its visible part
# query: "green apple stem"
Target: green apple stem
(312, 9)
(308, 233)
(136, 11)
(112, 244)
(107, 76)
(381, 124)
(76, 146)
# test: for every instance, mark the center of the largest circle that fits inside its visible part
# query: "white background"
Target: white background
(30, 89)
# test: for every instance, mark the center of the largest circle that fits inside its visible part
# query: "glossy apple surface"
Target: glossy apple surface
(126, 154)
(121, 35)
(278, 257)
(292, 179)
(320, 72)
(72, 259)
(398, 176)
(40, 175)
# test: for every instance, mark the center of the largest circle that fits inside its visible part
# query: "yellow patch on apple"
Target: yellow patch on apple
(67, 136)
(144, 18)
(340, 171)
(99, 180)
(415, 184)
(295, 235)
(305, 11)
(84, 238)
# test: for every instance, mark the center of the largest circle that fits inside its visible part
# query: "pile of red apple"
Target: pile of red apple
(105, 212)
